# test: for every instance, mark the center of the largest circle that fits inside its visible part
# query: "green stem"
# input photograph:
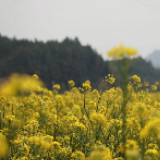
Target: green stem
(47, 156)
(12, 155)
(12, 110)
(85, 106)
(124, 113)
(99, 98)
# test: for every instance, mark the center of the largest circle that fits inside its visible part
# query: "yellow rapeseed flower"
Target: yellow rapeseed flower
(71, 83)
(86, 86)
(3, 146)
(35, 76)
(78, 155)
(150, 128)
(121, 52)
(98, 118)
(152, 151)
(100, 153)
(57, 86)
(136, 79)
(34, 140)
(146, 84)
(154, 87)
(111, 80)
(18, 85)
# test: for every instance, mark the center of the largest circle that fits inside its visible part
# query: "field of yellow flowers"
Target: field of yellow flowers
(115, 124)
(37, 123)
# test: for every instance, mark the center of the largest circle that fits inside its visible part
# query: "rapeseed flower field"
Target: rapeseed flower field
(83, 123)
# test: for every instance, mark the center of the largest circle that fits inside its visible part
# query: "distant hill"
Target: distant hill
(154, 58)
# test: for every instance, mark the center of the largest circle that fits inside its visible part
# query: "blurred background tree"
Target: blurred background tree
(58, 62)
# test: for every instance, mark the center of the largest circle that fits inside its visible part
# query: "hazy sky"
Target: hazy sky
(102, 24)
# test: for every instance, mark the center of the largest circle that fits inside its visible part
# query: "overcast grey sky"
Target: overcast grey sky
(102, 24)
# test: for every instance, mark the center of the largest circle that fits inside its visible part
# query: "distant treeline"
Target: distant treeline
(58, 62)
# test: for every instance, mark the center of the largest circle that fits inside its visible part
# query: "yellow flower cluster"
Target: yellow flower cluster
(76, 125)
(100, 153)
(18, 85)
(35, 76)
(150, 128)
(57, 86)
(154, 87)
(110, 79)
(3, 146)
(136, 79)
(71, 83)
(87, 85)
(121, 51)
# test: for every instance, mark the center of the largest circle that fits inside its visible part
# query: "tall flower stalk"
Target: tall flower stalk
(123, 53)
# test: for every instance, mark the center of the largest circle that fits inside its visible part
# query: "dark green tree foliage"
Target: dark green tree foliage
(58, 62)
(145, 70)
(137, 66)
(53, 62)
